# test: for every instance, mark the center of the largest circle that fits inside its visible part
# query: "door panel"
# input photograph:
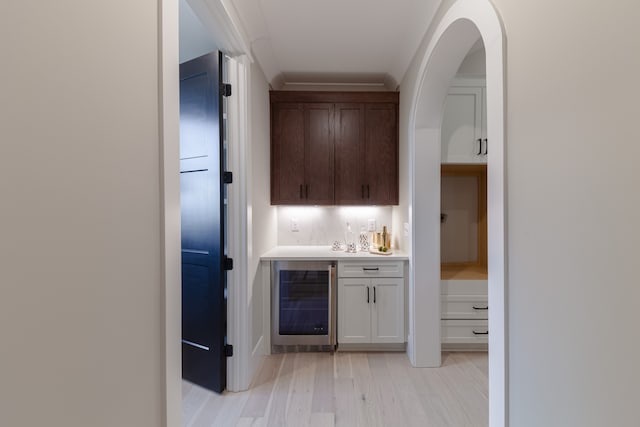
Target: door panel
(350, 154)
(388, 311)
(319, 154)
(381, 154)
(288, 154)
(203, 278)
(354, 313)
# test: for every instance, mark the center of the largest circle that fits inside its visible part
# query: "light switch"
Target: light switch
(371, 225)
(406, 229)
(294, 225)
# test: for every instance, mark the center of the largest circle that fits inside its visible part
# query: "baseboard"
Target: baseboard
(465, 347)
(373, 347)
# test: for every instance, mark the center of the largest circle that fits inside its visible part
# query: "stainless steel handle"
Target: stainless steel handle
(475, 307)
(332, 306)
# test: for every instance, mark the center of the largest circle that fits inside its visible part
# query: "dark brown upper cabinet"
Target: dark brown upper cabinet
(302, 154)
(334, 148)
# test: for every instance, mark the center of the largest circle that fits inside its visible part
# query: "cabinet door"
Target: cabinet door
(387, 311)
(287, 153)
(318, 154)
(349, 128)
(462, 126)
(381, 154)
(354, 312)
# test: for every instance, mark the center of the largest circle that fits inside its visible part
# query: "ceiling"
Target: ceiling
(343, 42)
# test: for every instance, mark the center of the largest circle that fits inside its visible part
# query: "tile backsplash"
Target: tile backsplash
(318, 225)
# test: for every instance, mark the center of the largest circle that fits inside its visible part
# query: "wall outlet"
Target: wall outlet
(406, 229)
(371, 225)
(294, 225)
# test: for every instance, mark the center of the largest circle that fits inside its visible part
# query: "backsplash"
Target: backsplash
(319, 225)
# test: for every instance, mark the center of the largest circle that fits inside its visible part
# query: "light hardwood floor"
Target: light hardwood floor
(350, 389)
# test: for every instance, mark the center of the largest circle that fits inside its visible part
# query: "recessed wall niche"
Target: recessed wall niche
(463, 221)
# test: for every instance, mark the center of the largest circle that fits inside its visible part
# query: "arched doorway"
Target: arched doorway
(459, 28)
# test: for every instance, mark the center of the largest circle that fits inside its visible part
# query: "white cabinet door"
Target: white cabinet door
(387, 311)
(462, 132)
(354, 313)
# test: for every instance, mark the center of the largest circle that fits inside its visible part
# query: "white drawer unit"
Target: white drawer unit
(371, 269)
(464, 307)
(464, 314)
(465, 331)
(371, 303)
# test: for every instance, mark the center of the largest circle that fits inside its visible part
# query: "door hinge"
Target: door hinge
(228, 350)
(227, 263)
(227, 177)
(225, 89)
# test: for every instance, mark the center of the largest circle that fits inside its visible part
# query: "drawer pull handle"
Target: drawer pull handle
(480, 333)
(374, 294)
(475, 307)
(370, 268)
(367, 295)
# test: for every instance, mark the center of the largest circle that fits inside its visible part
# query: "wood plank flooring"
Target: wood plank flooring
(350, 389)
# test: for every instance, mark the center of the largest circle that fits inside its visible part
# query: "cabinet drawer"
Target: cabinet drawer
(371, 269)
(464, 331)
(464, 287)
(464, 307)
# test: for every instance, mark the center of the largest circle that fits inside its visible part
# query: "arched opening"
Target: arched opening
(460, 27)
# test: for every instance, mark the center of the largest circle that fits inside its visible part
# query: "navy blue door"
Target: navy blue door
(201, 191)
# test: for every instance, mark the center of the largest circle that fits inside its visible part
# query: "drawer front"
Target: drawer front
(464, 287)
(464, 331)
(464, 307)
(371, 269)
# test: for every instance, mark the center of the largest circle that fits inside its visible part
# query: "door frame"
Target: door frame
(479, 13)
(454, 34)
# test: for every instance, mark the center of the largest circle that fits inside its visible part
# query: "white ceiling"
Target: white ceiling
(334, 41)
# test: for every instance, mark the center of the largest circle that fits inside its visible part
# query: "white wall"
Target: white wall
(261, 215)
(572, 153)
(194, 38)
(80, 276)
(572, 210)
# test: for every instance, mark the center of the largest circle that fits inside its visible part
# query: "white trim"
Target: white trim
(221, 21)
(238, 316)
(482, 15)
(168, 88)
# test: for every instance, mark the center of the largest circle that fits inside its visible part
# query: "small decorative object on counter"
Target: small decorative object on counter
(349, 239)
(386, 238)
(336, 245)
(364, 240)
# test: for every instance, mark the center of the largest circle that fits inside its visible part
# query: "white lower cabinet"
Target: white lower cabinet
(371, 309)
(464, 312)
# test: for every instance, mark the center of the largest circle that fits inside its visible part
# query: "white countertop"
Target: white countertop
(310, 253)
